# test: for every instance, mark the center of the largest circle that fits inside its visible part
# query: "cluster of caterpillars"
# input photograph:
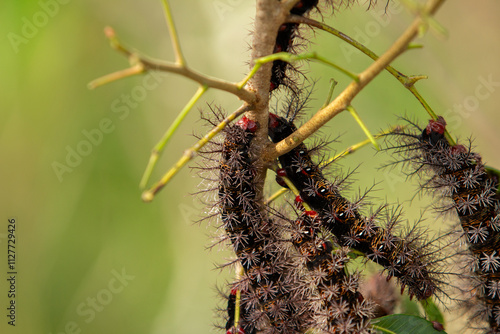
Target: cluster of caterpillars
(295, 275)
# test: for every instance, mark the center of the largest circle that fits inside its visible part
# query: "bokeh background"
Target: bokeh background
(82, 227)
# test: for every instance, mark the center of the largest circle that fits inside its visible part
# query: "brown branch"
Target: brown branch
(143, 64)
(269, 16)
(345, 98)
(204, 80)
(264, 38)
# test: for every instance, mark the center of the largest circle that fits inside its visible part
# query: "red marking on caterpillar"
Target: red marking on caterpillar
(247, 124)
(438, 126)
(311, 213)
(281, 182)
(402, 257)
(274, 121)
(459, 176)
(233, 330)
(298, 202)
(281, 172)
(457, 149)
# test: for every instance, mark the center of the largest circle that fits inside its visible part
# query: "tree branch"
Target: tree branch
(142, 64)
(346, 97)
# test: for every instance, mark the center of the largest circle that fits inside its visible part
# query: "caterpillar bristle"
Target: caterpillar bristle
(403, 259)
(284, 74)
(294, 274)
(457, 177)
(266, 283)
(324, 282)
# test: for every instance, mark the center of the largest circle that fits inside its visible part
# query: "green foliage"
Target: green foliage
(404, 324)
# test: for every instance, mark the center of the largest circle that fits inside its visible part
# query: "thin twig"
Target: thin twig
(174, 37)
(158, 149)
(190, 153)
(351, 149)
(345, 98)
(147, 64)
(407, 81)
(363, 126)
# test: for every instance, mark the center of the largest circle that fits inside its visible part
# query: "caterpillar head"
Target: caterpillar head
(279, 127)
(434, 131)
(247, 124)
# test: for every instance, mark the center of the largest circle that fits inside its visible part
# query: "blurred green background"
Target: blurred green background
(80, 228)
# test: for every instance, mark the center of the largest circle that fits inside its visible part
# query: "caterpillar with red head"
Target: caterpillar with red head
(403, 257)
(459, 177)
(266, 302)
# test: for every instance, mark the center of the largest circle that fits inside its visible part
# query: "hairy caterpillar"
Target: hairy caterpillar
(336, 303)
(231, 327)
(284, 43)
(402, 257)
(460, 178)
(266, 302)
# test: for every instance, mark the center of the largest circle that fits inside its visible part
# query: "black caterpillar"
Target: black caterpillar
(459, 176)
(403, 258)
(266, 302)
(284, 43)
(338, 306)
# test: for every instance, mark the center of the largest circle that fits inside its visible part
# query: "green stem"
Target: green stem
(330, 93)
(276, 195)
(148, 195)
(319, 58)
(239, 274)
(155, 154)
(363, 126)
(295, 191)
(355, 147)
(291, 58)
(173, 34)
